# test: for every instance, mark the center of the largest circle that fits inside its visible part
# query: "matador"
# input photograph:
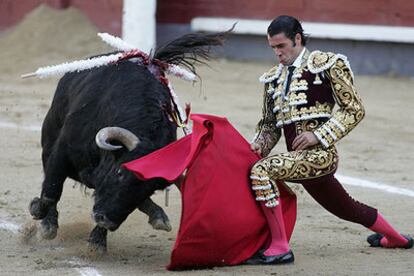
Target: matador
(299, 98)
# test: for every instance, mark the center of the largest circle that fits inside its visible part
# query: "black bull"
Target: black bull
(102, 118)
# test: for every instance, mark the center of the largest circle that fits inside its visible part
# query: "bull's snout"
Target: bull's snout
(103, 221)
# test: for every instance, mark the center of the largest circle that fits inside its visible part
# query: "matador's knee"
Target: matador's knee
(263, 186)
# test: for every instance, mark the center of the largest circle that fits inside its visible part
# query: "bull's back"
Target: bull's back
(124, 95)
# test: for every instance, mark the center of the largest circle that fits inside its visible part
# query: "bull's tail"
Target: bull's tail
(190, 49)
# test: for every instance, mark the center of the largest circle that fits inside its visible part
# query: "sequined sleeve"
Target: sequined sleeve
(267, 134)
(351, 110)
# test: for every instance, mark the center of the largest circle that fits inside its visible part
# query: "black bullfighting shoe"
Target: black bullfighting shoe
(260, 259)
(255, 259)
(375, 240)
(278, 259)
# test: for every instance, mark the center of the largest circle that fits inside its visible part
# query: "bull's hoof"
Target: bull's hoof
(38, 208)
(96, 248)
(48, 231)
(49, 225)
(160, 221)
(97, 240)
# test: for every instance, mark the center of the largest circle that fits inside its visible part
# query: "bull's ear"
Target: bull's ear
(115, 138)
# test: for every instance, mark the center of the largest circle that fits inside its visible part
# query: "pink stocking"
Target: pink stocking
(391, 237)
(279, 243)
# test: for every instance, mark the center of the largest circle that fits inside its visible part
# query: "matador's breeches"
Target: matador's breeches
(290, 166)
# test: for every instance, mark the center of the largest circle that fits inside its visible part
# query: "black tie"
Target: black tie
(289, 78)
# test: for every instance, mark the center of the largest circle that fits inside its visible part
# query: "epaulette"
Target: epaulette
(320, 61)
(272, 74)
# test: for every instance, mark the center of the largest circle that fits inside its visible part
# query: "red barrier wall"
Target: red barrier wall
(107, 14)
(376, 12)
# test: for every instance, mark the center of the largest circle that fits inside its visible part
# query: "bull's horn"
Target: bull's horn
(107, 134)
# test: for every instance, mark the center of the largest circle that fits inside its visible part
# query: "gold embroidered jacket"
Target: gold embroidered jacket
(322, 80)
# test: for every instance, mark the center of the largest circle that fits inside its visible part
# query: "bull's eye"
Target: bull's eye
(119, 173)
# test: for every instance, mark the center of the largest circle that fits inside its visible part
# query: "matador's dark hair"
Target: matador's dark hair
(288, 25)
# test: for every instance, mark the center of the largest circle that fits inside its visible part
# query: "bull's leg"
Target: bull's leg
(97, 239)
(56, 169)
(156, 215)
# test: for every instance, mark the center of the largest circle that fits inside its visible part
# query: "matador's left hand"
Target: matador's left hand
(304, 140)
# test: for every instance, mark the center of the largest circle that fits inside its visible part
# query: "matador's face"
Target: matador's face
(285, 49)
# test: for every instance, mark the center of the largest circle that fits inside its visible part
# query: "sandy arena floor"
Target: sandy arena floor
(379, 150)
